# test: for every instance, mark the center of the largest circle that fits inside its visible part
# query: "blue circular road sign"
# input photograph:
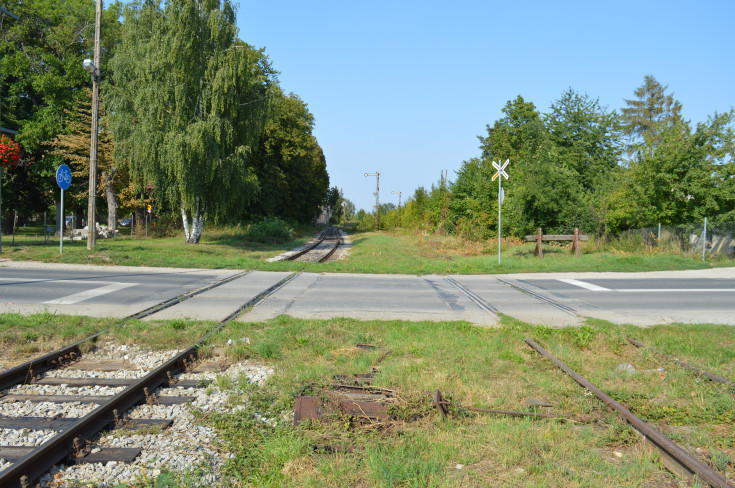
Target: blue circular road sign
(63, 177)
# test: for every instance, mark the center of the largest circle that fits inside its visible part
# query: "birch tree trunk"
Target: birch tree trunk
(197, 222)
(185, 221)
(199, 225)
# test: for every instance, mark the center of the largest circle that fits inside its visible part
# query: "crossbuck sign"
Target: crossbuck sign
(501, 169)
(501, 194)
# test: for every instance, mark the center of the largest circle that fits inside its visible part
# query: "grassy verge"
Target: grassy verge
(475, 367)
(25, 337)
(383, 252)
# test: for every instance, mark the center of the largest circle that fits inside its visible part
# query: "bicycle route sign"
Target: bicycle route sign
(63, 177)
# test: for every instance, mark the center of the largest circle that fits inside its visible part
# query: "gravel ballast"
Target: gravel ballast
(184, 448)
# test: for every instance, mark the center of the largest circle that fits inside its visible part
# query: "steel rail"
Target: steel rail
(333, 250)
(440, 404)
(554, 303)
(679, 460)
(704, 373)
(320, 239)
(479, 301)
(185, 296)
(28, 370)
(32, 467)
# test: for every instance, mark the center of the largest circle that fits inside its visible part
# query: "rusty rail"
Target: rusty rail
(319, 240)
(704, 373)
(332, 251)
(28, 370)
(441, 405)
(31, 467)
(675, 458)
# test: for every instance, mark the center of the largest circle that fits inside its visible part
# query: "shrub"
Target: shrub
(269, 230)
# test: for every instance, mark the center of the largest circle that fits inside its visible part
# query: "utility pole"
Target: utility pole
(377, 201)
(95, 71)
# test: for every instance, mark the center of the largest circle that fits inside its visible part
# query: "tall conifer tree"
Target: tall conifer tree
(652, 111)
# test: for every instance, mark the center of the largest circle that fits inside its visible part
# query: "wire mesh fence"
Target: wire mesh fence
(705, 238)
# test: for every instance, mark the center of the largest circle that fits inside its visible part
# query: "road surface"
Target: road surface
(554, 299)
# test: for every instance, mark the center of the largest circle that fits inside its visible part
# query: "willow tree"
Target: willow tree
(188, 101)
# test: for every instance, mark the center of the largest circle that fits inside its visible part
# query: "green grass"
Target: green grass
(473, 366)
(384, 252)
(23, 337)
(485, 368)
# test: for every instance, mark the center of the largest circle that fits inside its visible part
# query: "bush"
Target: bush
(269, 231)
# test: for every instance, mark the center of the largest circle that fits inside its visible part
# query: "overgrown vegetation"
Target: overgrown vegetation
(26, 336)
(583, 165)
(239, 149)
(384, 252)
(472, 366)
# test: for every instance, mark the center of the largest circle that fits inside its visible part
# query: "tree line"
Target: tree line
(193, 120)
(583, 165)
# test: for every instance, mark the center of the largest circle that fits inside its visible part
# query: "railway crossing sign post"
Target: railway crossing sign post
(63, 179)
(501, 193)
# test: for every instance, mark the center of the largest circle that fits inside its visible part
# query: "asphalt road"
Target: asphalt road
(706, 296)
(95, 291)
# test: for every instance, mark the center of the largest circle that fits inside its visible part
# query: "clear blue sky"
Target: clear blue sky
(405, 87)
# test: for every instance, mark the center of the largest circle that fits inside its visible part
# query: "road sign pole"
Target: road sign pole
(62, 221)
(500, 204)
(499, 175)
(63, 179)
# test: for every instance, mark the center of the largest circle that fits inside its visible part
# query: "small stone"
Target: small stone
(460, 466)
(618, 454)
(626, 368)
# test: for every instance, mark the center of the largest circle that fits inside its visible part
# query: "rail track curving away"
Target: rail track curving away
(322, 249)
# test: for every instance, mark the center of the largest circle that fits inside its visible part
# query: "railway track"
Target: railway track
(99, 403)
(674, 457)
(322, 249)
(36, 366)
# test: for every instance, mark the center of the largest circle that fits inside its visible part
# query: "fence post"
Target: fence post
(539, 251)
(576, 246)
(704, 238)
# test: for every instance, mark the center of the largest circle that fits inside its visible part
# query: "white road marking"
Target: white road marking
(45, 280)
(86, 295)
(590, 286)
(668, 290)
(582, 284)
